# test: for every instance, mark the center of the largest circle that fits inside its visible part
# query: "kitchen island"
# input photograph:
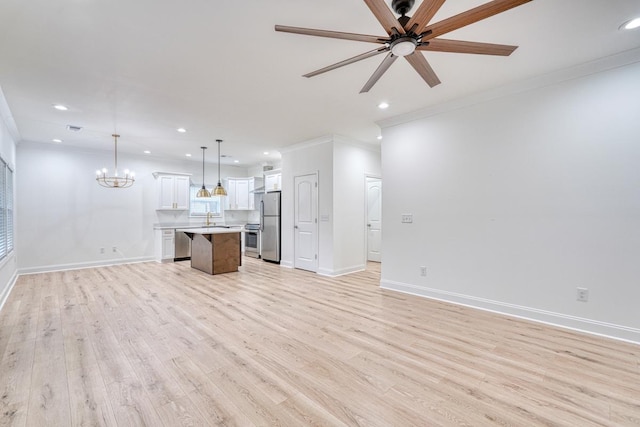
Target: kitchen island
(215, 250)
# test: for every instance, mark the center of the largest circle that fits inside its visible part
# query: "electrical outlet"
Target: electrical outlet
(407, 218)
(423, 271)
(582, 294)
(101, 250)
(114, 249)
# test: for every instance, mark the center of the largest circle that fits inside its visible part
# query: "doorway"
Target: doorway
(305, 241)
(374, 219)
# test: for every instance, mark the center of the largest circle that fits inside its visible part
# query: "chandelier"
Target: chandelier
(115, 181)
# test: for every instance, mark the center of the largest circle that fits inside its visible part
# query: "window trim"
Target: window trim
(193, 189)
(7, 210)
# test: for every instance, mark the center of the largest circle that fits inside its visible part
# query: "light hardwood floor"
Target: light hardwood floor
(165, 345)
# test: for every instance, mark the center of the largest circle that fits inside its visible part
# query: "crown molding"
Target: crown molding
(622, 59)
(7, 117)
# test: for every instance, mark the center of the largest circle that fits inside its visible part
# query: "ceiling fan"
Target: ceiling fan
(407, 34)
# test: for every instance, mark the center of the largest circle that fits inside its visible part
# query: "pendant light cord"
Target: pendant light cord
(219, 141)
(203, 148)
(115, 136)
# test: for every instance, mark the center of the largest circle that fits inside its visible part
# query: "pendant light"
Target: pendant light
(203, 192)
(115, 181)
(219, 190)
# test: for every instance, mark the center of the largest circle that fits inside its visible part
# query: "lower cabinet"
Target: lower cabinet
(165, 245)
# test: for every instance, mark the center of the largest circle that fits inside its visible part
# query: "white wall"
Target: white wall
(65, 216)
(301, 159)
(8, 266)
(519, 200)
(342, 165)
(352, 162)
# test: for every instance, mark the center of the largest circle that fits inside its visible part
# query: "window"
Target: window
(200, 206)
(6, 209)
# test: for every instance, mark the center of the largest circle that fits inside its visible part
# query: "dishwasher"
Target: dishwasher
(182, 246)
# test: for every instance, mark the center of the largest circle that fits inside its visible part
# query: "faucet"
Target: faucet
(209, 215)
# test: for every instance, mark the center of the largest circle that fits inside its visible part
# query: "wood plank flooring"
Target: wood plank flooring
(165, 345)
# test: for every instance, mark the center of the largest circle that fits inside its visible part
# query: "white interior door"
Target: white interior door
(374, 219)
(306, 222)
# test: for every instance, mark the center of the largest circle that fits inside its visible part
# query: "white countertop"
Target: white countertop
(212, 230)
(181, 226)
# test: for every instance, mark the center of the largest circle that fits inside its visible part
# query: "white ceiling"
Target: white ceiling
(144, 68)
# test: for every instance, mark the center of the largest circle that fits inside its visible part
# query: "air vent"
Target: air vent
(73, 128)
(267, 168)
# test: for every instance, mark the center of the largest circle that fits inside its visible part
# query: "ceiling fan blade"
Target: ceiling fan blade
(420, 64)
(458, 46)
(331, 34)
(382, 68)
(385, 16)
(470, 16)
(423, 15)
(348, 61)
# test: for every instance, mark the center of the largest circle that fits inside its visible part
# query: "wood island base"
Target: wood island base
(215, 253)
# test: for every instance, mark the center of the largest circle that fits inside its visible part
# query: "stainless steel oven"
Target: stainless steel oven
(252, 240)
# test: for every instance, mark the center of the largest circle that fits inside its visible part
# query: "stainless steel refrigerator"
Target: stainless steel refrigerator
(270, 226)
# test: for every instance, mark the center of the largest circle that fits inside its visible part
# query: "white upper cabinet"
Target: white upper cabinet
(173, 191)
(273, 181)
(240, 194)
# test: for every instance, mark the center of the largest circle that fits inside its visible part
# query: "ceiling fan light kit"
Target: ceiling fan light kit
(403, 46)
(406, 34)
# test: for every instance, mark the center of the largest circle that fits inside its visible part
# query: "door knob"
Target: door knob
(295, 226)
(368, 225)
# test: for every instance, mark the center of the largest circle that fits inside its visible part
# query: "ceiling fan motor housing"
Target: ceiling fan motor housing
(402, 7)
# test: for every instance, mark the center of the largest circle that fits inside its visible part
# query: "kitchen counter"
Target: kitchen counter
(211, 230)
(191, 226)
(215, 250)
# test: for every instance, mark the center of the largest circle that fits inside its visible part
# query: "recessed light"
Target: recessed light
(266, 153)
(188, 155)
(236, 161)
(383, 105)
(379, 136)
(58, 140)
(630, 25)
(181, 130)
(60, 107)
(147, 152)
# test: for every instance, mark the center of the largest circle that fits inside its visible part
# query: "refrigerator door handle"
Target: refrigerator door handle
(261, 215)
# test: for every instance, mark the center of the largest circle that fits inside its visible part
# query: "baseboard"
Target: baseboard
(341, 272)
(594, 327)
(81, 265)
(5, 294)
(287, 264)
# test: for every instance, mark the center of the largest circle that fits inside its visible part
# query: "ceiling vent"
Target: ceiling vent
(73, 128)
